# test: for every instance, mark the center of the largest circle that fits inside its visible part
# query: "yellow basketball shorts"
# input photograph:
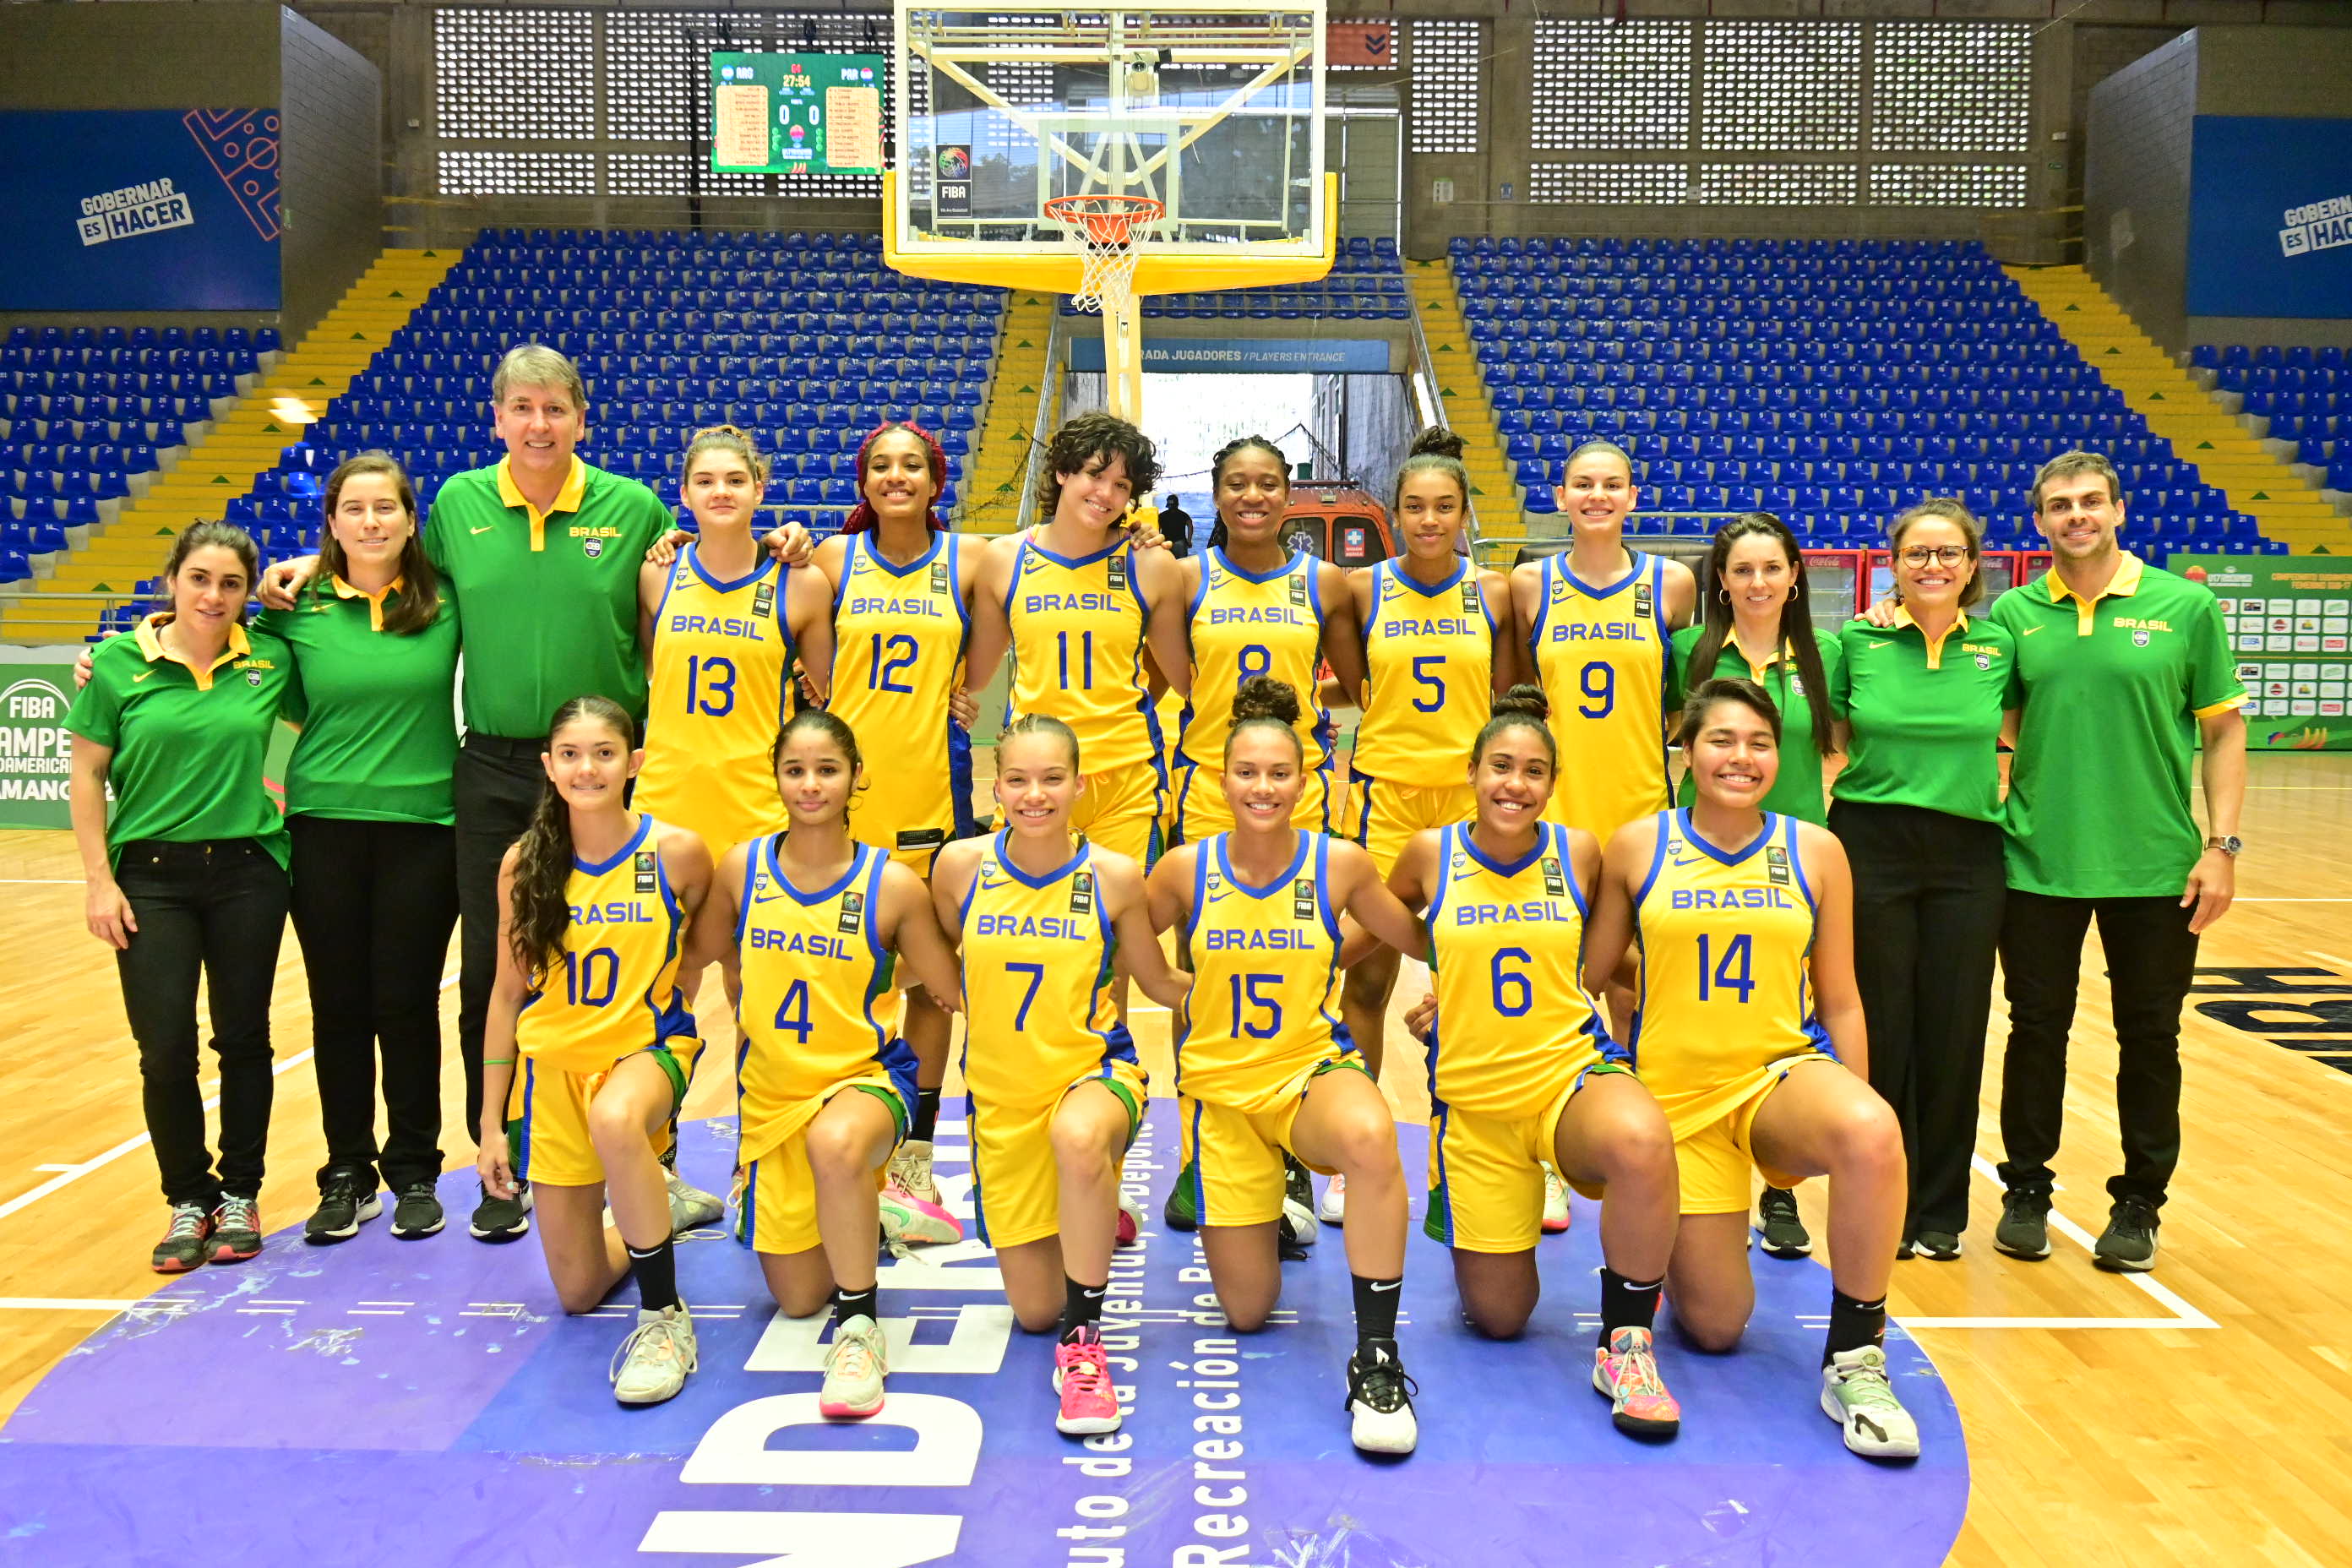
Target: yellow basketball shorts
(1485, 1172)
(1016, 1184)
(1233, 1158)
(1714, 1156)
(1120, 810)
(778, 1213)
(1202, 809)
(547, 1114)
(1389, 815)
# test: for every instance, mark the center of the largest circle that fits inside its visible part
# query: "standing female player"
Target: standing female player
(1076, 602)
(1263, 1063)
(368, 811)
(1758, 613)
(1056, 1094)
(1524, 1079)
(189, 874)
(1597, 619)
(902, 593)
(1436, 649)
(806, 925)
(1258, 607)
(1750, 1032)
(596, 899)
(1919, 813)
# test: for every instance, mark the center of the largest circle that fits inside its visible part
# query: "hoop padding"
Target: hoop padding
(1109, 231)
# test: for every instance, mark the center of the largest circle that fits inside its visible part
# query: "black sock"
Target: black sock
(848, 1304)
(1376, 1310)
(656, 1270)
(926, 1115)
(1854, 1324)
(1081, 1304)
(1627, 1303)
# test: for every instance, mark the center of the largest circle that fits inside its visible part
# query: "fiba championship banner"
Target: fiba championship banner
(2290, 623)
(2270, 218)
(139, 210)
(35, 752)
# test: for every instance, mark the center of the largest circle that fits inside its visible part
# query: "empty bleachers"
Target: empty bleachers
(2304, 393)
(1366, 283)
(1830, 381)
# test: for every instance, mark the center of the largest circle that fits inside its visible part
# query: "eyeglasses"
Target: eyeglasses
(1942, 554)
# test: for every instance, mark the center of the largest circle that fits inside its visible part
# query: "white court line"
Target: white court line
(2291, 901)
(38, 881)
(67, 1304)
(68, 1174)
(2329, 957)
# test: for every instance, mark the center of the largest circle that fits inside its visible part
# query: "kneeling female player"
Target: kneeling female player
(1749, 1028)
(807, 925)
(1055, 1093)
(1263, 1063)
(1522, 1073)
(593, 902)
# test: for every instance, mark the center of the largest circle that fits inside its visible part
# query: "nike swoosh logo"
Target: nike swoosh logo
(1877, 643)
(765, 897)
(137, 678)
(484, 528)
(1390, 1286)
(1094, 1295)
(2030, 630)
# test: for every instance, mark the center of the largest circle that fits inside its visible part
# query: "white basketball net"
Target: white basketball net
(1111, 243)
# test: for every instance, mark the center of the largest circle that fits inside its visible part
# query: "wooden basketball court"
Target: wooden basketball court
(2202, 1414)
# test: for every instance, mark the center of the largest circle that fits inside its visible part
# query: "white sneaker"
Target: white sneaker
(1555, 1210)
(1129, 1222)
(854, 1367)
(1856, 1396)
(910, 1171)
(652, 1362)
(1334, 1210)
(1379, 1405)
(691, 1207)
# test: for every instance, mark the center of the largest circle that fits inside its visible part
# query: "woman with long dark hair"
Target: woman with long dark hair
(369, 809)
(590, 1042)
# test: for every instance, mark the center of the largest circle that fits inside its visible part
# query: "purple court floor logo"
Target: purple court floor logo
(425, 1403)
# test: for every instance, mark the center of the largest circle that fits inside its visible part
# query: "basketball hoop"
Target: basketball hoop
(1106, 227)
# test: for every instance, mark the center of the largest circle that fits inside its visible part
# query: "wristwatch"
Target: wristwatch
(2230, 845)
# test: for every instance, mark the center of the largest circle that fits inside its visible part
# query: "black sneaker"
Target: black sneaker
(1177, 1213)
(1298, 1226)
(502, 1219)
(188, 1244)
(1941, 1246)
(2129, 1244)
(1776, 1221)
(345, 1203)
(415, 1211)
(1379, 1403)
(236, 1230)
(2024, 1228)
(1906, 1252)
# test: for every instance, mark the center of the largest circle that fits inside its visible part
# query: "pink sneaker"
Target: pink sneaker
(1626, 1370)
(1082, 1377)
(1130, 1220)
(911, 1221)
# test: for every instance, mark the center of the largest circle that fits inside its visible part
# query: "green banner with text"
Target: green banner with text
(2290, 623)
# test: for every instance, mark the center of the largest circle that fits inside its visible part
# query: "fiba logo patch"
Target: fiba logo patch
(955, 164)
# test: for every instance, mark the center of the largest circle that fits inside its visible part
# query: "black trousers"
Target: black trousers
(497, 783)
(217, 909)
(374, 903)
(1928, 889)
(2152, 958)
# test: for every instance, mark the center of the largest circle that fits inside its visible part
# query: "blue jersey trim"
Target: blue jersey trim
(694, 561)
(1297, 861)
(1772, 820)
(636, 841)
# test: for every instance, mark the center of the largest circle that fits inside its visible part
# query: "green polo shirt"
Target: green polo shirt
(1797, 791)
(378, 708)
(188, 743)
(2098, 793)
(1926, 714)
(549, 600)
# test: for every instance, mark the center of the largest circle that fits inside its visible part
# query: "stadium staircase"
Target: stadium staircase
(243, 443)
(2177, 408)
(1001, 457)
(1495, 495)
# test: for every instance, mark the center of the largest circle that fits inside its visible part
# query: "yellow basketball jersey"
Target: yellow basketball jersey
(1428, 653)
(1265, 1006)
(817, 1005)
(1242, 625)
(1601, 655)
(1506, 944)
(1077, 651)
(1037, 981)
(722, 685)
(613, 987)
(1723, 988)
(899, 635)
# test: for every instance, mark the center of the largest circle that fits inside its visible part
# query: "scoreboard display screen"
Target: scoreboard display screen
(796, 113)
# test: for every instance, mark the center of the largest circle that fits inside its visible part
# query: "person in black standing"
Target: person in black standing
(1176, 525)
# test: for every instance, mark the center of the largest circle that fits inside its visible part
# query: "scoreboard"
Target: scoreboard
(796, 113)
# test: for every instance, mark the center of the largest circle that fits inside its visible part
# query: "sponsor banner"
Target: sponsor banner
(2270, 218)
(2290, 620)
(35, 752)
(145, 210)
(1326, 356)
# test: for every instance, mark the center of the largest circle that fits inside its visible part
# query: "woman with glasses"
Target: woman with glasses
(1919, 809)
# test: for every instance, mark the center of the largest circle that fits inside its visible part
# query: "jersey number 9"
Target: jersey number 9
(1599, 682)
